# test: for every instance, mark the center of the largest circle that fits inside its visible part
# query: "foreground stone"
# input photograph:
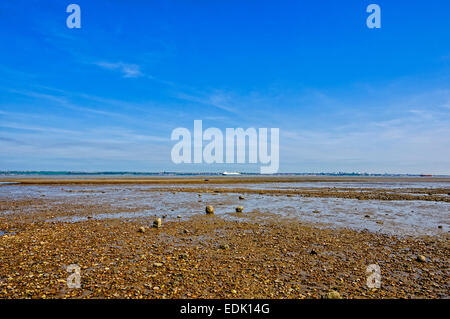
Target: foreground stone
(421, 258)
(209, 209)
(332, 295)
(157, 223)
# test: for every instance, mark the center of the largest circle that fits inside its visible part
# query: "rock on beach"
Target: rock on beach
(209, 209)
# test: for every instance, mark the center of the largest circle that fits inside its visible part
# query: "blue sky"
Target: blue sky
(107, 96)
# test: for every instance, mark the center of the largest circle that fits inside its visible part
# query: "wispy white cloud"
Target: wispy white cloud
(218, 100)
(127, 70)
(65, 102)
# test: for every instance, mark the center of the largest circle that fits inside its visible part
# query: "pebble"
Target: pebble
(241, 197)
(209, 209)
(224, 246)
(157, 264)
(333, 294)
(316, 211)
(421, 258)
(239, 209)
(157, 223)
(141, 229)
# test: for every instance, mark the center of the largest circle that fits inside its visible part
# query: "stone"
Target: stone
(239, 209)
(241, 197)
(313, 252)
(157, 223)
(141, 229)
(209, 209)
(224, 246)
(157, 264)
(367, 216)
(178, 216)
(421, 258)
(316, 211)
(333, 294)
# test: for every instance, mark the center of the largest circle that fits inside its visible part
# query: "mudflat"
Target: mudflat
(292, 239)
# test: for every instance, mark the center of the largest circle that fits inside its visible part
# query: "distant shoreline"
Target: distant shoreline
(206, 179)
(200, 174)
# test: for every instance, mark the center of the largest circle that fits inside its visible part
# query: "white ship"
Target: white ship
(231, 173)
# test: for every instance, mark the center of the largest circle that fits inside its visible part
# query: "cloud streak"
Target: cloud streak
(127, 70)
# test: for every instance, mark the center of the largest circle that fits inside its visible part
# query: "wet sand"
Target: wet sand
(255, 254)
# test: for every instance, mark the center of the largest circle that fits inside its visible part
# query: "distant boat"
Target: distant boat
(231, 173)
(426, 175)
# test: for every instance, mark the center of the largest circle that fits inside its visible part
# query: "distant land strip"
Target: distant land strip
(209, 180)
